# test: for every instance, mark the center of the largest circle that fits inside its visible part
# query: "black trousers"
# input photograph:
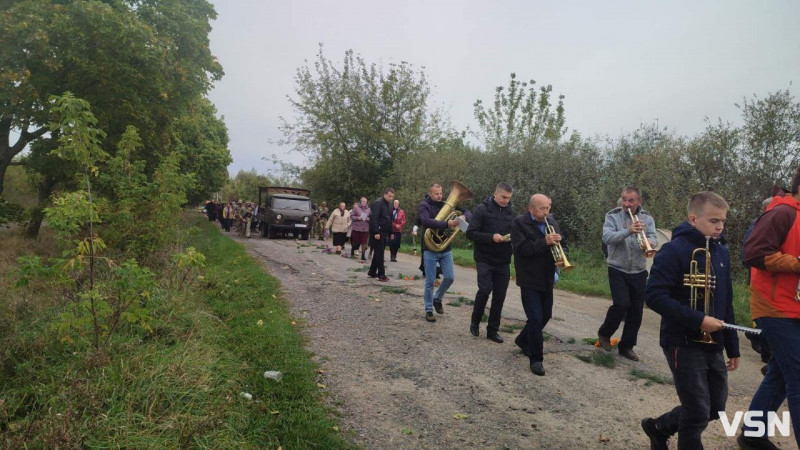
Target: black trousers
(378, 247)
(538, 306)
(394, 244)
(491, 280)
(627, 294)
(702, 384)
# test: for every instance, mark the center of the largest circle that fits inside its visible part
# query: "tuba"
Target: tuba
(438, 240)
(644, 243)
(556, 249)
(701, 284)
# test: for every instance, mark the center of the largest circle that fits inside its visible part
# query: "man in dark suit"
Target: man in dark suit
(380, 226)
(536, 269)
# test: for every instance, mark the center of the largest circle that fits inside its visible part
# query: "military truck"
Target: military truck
(284, 210)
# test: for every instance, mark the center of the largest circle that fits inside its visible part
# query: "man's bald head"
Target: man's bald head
(539, 206)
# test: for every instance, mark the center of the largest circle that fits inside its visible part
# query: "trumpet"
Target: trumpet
(557, 250)
(641, 236)
(701, 284)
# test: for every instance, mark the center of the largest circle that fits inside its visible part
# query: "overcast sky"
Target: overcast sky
(619, 63)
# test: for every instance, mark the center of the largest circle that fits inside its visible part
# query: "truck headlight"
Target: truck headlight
(305, 219)
(278, 217)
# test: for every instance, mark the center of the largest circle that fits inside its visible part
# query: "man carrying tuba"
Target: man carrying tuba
(624, 230)
(429, 211)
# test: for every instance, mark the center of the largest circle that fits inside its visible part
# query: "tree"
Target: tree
(771, 135)
(137, 62)
(521, 119)
(354, 122)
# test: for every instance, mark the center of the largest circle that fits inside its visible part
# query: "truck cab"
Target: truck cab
(284, 210)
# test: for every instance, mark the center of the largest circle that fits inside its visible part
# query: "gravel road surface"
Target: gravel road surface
(401, 382)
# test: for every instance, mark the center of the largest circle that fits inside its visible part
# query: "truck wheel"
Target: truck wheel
(305, 236)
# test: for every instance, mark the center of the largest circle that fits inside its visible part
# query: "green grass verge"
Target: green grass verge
(179, 386)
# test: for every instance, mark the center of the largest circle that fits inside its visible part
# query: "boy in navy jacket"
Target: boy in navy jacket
(698, 368)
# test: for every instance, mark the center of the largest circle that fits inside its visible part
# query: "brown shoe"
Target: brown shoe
(629, 353)
(604, 342)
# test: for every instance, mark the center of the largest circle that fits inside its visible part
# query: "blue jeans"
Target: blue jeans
(782, 381)
(445, 260)
(538, 306)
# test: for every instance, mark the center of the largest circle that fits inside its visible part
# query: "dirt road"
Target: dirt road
(401, 382)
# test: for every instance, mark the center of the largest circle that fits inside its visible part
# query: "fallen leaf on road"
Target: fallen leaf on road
(604, 439)
(459, 416)
(320, 385)
(260, 322)
(274, 412)
(293, 322)
(335, 428)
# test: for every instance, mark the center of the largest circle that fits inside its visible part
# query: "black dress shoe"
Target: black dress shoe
(430, 317)
(473, 328)
(518, 341)
(629, 353)
(537, 368)
(438, 307)
(372, 275)
(495, 338)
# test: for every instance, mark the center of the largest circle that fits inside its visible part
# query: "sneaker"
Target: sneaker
(537, 368)
(521, 346)
(438, 307)
(658, 441)
(430, 317)
(605, 342)
(754, 443)
(383, 278)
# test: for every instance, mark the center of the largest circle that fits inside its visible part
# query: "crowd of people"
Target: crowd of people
(241, 217)
(689, 285)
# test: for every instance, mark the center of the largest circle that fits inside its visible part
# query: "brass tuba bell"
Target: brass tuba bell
(438, 240)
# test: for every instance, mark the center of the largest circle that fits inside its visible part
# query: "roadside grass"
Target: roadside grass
(649, 377)
(599, 358)
(181, 385)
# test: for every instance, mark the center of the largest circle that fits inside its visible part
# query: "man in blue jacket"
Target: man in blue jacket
(488, 230)
(698, 366)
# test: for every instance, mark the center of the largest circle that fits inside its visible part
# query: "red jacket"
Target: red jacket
(398, 220)
(772, 252)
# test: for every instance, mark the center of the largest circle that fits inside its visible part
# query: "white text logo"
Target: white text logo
(754, 420)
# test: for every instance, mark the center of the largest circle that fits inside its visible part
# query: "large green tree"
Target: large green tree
(354, 121)
(521, 118)
(137, 62)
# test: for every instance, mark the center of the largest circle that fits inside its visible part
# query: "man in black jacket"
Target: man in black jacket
(536, 269)
(488, 229)
(380, 226)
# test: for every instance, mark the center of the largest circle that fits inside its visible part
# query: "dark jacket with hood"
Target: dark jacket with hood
(427, 212)
(533, 258)
(489, 219)
(380, 221)
(666, 294)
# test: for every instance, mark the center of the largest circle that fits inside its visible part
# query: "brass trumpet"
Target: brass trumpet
(641, 236)
(701, 283)
(556, 249)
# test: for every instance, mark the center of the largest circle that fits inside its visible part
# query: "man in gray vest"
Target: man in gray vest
(627, 274)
